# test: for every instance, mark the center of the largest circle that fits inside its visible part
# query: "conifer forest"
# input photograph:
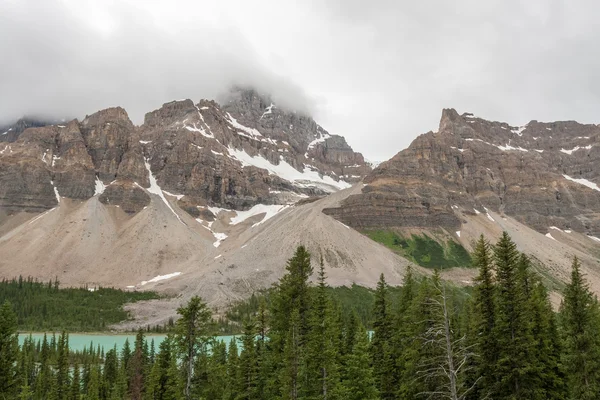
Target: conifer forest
(501, 339)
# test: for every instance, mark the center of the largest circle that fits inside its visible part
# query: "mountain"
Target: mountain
(11, 132)
(243, 153)
(473, 176)
(203, 198)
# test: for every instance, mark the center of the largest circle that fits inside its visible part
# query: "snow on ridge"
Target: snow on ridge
(584, 182)
(161, 278)
(324, 136)
(519, 130)
(569, 152)
(155, 189)
(201, 131)
(55, 191)
(308, 177)
(178, 196)
(250, 133)
(268, 110)
(509, 147)
(269, 210)
(99, 187)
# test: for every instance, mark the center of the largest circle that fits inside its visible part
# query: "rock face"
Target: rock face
(235, 156)
(11, 132)
(542, 174)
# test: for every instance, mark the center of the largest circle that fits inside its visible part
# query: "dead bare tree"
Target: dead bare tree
(449, 355)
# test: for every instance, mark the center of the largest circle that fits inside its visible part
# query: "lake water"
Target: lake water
(77, 341)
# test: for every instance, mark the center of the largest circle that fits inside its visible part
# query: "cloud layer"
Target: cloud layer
(378, 73)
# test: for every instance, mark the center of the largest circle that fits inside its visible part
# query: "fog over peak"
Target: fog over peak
(378, 73)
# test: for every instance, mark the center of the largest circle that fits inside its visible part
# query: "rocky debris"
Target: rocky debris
(543, 174)
(127, 195)
(245, 153)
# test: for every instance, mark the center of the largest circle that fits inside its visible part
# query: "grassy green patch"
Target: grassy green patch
(423, 250)
(45, 307)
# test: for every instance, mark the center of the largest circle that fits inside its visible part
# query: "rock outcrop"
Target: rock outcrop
(543, 174)
(245, 153)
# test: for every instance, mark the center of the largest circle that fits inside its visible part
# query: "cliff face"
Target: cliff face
(234, 156)
(543, 174)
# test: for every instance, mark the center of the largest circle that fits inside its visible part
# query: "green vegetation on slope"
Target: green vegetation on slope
(44, 307)
(423, 250)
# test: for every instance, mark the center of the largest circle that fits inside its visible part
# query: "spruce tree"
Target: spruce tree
(9, 348)
(359, 381)
(512, 330)
(484, 321)
(580, 320)
(381, 345)
(191, 336)
(248, 365)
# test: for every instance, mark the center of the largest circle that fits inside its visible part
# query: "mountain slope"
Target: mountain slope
(541, 177)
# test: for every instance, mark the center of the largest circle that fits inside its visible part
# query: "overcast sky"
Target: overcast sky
(377, 72)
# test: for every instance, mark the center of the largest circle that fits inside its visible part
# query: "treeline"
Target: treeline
(43, 306)
(503, 342)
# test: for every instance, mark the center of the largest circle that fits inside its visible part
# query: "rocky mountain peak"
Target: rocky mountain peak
(235, 156)
(542, 174)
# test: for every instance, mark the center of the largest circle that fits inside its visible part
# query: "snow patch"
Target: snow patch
(519, 130)
(55, 191)
(458, 233)
(268, 110)
(569, 152)
(594, 238)
(159, 278)
(487, 213)
(307, 178)
(41, 215)
(220, 237)
(477, 211)
(155, 189)
(100, 187)
(218, 256)
(584, 182)
(549, 236)
(178, 196)
(145, 141)
(269, 210)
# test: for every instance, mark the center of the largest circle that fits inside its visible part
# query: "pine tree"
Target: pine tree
(9, 348)
(580, 320)
(248, 365)
(483, 323)
(512, 328)
(75, 389)
(381, 348)
(293, 361)
(62, 368)
(323, 344)
(191, 336)
(359, 380)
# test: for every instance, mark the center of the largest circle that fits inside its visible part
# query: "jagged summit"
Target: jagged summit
(543, 174)
(235, 156)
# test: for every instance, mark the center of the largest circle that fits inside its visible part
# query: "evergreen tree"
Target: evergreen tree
(580, 320)
(483, 323)
(359, 380)
(75, 389)
(9, 347)
(512, 328)
(248, 365)
(381, 348)
(191, 336)
(62, 367)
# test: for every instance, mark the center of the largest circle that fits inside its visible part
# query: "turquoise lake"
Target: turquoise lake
(77, 341)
